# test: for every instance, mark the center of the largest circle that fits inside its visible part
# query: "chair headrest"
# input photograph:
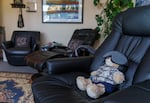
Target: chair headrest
(136, 21)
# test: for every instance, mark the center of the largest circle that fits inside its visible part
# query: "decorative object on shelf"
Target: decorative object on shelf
(62, 11)
(20, 19)
(109, 10)
(19, 4)
(31, 6)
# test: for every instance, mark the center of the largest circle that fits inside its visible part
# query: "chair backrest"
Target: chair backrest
(131, 36)
(33, 36)
(82, 37)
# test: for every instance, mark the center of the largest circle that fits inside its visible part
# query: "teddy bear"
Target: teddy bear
(106, 78)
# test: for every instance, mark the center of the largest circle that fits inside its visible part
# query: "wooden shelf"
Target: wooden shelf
(18, 5)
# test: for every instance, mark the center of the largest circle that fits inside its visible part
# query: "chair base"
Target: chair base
(16, 61)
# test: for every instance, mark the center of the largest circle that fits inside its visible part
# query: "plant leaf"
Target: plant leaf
(95, 2)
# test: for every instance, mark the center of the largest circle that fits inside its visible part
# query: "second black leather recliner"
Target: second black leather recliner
(84, 36)
(21, 44)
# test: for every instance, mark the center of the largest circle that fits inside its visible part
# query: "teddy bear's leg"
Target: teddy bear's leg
(94, 90)
(82, 83)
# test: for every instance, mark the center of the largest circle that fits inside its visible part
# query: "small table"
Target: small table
(38, 59)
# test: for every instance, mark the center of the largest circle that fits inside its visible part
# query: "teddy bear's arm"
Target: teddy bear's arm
(118, 77)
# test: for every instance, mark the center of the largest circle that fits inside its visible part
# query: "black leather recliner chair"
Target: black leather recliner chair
(84, 36)
(131, 36)
(21, 44)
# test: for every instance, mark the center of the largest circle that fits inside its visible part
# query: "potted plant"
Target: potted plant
(109, 11)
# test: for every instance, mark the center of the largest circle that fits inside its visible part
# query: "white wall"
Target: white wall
(0, 16)
(33, 21)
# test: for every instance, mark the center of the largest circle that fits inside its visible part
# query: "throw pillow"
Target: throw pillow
(22, 41)
(75, 43)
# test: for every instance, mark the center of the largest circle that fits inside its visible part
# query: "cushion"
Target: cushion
(22, 41)
(132, 20)
(75, 43)
(143, 71)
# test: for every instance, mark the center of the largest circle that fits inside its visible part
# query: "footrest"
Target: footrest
(37, 59)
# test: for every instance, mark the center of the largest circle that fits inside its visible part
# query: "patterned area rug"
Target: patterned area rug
(15, 88)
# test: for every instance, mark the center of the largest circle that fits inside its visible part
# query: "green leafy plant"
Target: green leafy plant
(109, 11)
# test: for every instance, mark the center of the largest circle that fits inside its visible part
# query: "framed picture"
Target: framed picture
(62, 11)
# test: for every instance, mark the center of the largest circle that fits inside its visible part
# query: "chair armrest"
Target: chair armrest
(7, 44)
(138, 93)
(62, 50)
(36, 47)
(88, 48)
(145, 85)
(61, 47)
(72, 64)
(56, 45)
